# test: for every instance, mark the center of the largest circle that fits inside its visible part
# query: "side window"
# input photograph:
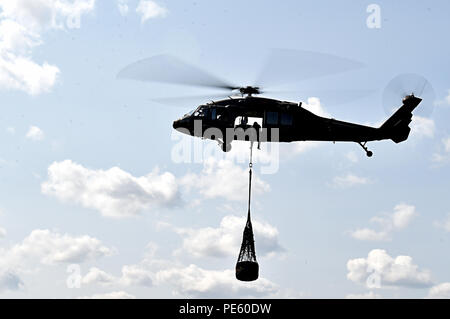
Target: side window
(286, 119)
(271, 118)
(213, 113)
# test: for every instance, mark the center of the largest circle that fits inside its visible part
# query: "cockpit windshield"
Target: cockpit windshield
(194, 111)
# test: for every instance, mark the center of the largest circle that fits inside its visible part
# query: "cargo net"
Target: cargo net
(247, 252)
(247, 268)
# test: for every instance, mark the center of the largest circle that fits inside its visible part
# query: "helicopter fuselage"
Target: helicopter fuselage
(291, 120)
(286, 122)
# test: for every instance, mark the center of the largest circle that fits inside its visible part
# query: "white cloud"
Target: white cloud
(422, 127)
(444, 155)
(445, 224)
(123, 7)
(349, 180)
(447, 98)
(35, 133)
(223, 179)
(399, 219)
(45, 247)
(314, 105)
(2, 232)
(441, 291)
(194, 281)
(368, 295)
(50, 248)
(370, 234)
(132, 275)
(185, 280)
(302, 146)
(399, 271)
(111, 295)
(226, 239)
(445, 101)
(22, 23)
(138, 275)
(96, 275)
(149, 9)
(113, 192)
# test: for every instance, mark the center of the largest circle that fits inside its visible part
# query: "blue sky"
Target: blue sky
(92, 198)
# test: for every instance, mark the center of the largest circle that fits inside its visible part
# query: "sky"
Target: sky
(97, 202)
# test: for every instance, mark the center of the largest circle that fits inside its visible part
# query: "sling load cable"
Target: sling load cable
(247, 268)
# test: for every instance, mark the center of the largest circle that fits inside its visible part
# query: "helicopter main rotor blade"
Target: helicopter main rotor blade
(290, 66)
(329, 97)
(168, 69)
(189, 100)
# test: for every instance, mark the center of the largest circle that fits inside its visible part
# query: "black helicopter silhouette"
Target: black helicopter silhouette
(226, 120)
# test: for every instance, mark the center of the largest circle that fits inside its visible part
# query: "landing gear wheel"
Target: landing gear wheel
(363, 145)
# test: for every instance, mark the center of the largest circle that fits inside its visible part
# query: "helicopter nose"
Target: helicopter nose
(179, 124)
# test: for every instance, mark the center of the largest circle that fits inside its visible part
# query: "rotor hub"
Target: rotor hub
(249, 90)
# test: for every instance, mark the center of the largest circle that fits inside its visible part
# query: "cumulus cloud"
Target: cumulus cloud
(22, 23)
(149, 9)
(50, 248)
(314, 105)
(96, 275)
(113, 192)
(2, 232)
(349, 180)
(444, 224)
(191, 281)
(141, 274)
(138, 275)
(35, 133)
(45, 247)
(110, 295)
(379, 270)
(223, 179)
(422, 126)
(123, 7)
(441, 291)
(445, 101)
(444, 155)
(225, 240)
(194, 281)
(388, 223)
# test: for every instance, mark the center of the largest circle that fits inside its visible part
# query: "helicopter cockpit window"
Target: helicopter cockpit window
(286, 119)
(213, 113)
(199, 112)
(272, 118)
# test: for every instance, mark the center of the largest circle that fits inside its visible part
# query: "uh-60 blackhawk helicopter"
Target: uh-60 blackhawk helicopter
(227, 119)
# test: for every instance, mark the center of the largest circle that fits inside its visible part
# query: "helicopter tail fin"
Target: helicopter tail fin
(397, 126)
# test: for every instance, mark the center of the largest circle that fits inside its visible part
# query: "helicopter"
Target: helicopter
(227, 120)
